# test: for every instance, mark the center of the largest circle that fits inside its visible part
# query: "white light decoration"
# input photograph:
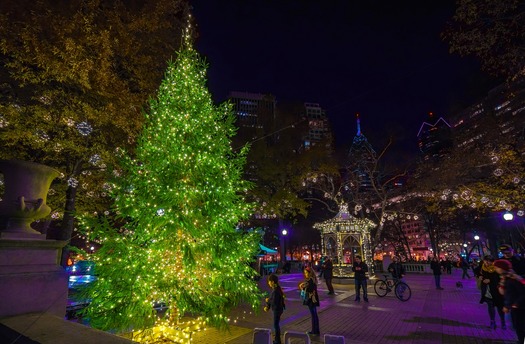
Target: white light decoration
(72, 182)
(84, 128)
(520, 213)
(498, 172)
(94, 159)
(3, 122)
(508, 216)
(160, 212)
(42, 135)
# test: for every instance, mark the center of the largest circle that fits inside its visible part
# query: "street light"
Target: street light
(284, 233)
(476, 237)
(507, 216)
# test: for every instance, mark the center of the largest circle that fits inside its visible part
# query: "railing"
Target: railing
(417, 268)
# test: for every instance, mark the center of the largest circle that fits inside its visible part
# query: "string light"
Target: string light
(178, 201)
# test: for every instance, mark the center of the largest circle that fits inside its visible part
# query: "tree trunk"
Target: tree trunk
(68, 222)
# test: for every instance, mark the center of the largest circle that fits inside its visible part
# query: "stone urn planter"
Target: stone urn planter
(24, 200)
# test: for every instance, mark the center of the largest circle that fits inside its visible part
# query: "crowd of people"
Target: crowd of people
(502, 286)
(501, 283)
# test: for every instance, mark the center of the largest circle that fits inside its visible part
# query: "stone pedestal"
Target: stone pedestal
(31, 279)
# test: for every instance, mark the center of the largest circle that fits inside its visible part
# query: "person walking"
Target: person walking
(309, 285)
(436, 270)
(463, 264)
(518, 263)
(360, 270)
(489, 280)
(512, 287)
(276, 303)
(328, 275)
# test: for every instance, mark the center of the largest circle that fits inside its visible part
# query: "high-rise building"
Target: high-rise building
(252, 109)
(362, 159)
(318, 125)
(434, 138)
(498, 118)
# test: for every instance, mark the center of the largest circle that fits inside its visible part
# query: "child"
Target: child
(276, 303)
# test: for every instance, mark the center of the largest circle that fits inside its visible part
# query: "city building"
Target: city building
(498, 118)
(252, 109)
(318, 125)
(361, 159)
(417, 238)
(434, 138)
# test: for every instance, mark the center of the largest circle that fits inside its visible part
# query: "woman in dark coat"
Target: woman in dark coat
(489, 291)
(309, 285)
(276, 303)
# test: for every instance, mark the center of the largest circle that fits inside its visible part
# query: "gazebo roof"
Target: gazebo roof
(344, 222)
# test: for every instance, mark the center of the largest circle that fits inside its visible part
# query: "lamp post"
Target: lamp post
(284, 233)
(508, 217)
(476, 237)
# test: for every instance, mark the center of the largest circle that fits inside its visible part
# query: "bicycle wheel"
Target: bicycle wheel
(381, 288)
(403, 292)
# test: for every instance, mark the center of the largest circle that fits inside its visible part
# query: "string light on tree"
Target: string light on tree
(179, 199)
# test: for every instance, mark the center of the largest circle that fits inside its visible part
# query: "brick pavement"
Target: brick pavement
(452, 316)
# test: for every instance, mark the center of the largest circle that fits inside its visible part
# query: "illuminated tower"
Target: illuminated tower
(361, 158)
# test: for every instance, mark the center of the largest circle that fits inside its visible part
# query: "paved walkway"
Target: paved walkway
(453, 315)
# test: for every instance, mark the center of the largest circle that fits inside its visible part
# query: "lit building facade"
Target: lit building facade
(434, 138)
(318, 126)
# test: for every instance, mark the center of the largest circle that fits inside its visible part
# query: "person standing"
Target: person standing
(448, 266)
(328, 275)
(489, 279)
(436, 270)
(360, 270)
(512, 287)
(276, 303)
(309, 285)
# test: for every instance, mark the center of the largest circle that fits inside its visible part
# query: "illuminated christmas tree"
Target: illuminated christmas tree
(178, 202)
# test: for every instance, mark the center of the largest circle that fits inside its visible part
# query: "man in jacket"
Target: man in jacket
(328, 268)
(518, 263)
(360, 269)
(396, 269)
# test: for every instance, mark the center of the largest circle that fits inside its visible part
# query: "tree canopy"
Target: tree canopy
(74, 78)
(494, 31)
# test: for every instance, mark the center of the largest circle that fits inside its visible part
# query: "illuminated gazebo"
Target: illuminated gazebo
(343, 237)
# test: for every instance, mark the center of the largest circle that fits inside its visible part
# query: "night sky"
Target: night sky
(382, 59)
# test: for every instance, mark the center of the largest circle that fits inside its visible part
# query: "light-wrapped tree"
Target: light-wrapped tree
(178, 201)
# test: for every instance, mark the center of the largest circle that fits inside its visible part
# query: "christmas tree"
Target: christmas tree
(178, 201)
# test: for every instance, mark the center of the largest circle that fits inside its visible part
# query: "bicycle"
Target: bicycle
(386, 285)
